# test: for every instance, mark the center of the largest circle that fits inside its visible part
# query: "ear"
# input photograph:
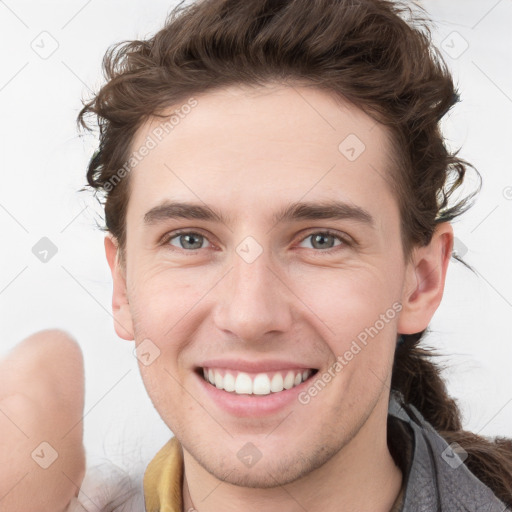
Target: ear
(120, 306)
(424, 283)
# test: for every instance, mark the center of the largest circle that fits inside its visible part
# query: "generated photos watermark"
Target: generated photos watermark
(152, 140)
(344, 359)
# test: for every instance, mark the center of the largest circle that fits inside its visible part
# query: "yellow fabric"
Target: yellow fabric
(163, 481)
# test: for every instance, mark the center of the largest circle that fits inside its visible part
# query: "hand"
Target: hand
(41, 409)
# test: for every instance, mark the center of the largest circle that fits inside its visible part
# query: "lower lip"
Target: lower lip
(252, 405)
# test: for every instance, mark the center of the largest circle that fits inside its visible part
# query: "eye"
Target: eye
(193, 241)
(188, 240)
(324, 240)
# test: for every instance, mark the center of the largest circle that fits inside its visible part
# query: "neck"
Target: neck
(361, 476)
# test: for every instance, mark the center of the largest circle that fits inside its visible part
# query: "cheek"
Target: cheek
(356, 311)
(160, 297)
(166, 307)
(348, 300)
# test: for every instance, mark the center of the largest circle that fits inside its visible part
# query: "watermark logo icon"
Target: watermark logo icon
(45, 455)
(249, 455)
(45, 45)
(44, 250)
(454, 45)
(351, 147)
(146, 352)
(454, 455)
(249, 249)
(460, 249)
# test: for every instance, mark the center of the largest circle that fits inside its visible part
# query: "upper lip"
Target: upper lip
(261, 366)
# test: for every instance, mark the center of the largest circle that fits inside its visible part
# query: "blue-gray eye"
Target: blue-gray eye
(189, 240)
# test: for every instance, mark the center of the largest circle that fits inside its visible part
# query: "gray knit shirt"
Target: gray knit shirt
(438, 480)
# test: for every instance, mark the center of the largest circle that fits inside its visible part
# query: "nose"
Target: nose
(254, 300)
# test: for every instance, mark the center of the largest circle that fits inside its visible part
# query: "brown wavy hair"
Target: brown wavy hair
(378, 55)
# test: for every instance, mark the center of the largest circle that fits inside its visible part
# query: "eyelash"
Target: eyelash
(345, 241)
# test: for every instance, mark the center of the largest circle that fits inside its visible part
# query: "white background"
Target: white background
(43, 163)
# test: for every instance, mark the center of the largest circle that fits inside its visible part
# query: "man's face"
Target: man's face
(256, 294)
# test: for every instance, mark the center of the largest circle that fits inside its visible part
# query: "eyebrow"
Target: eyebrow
(325, 210)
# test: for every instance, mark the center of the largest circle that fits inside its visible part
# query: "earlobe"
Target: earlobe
(425, 280)
(120, 306)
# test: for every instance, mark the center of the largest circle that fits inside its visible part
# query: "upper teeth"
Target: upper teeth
(260, 384)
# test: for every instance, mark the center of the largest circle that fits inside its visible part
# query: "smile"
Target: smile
(242, 383)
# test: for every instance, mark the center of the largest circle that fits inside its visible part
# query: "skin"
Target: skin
(248, 153)
(41, 400)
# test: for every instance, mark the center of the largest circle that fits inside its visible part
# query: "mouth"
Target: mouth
(256, 384)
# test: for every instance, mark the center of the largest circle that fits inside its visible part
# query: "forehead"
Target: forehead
(247, 147)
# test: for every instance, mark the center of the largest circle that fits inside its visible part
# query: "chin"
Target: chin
(268, 473)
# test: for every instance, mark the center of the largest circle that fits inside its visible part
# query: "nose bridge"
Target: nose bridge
(254, 299)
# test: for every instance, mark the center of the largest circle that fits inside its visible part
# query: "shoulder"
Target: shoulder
(438, 479)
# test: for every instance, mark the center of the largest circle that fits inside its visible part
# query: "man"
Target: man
(277, 247)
